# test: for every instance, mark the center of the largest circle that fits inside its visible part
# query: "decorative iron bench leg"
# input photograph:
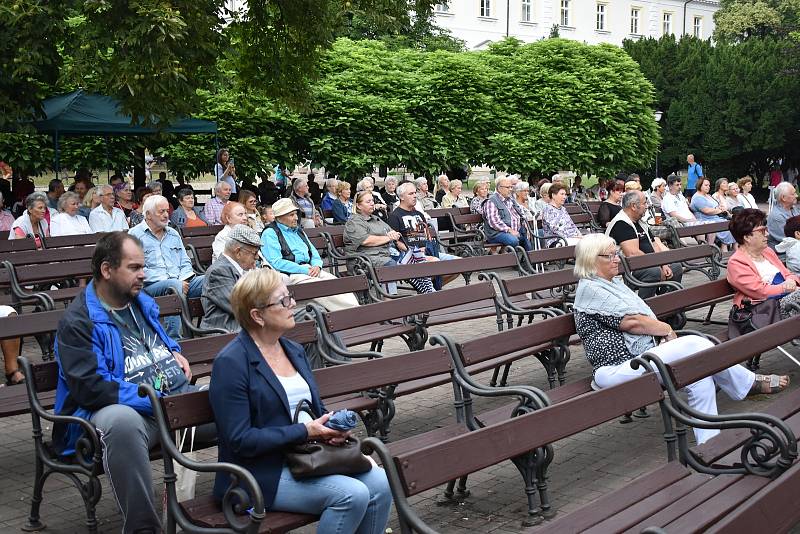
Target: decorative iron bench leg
(34, 523)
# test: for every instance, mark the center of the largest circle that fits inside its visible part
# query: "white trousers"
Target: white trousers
(331, 303)
(735, 381)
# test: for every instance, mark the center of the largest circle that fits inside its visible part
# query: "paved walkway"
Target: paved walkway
(585, 467)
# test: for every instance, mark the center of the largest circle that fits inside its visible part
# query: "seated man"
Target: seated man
(108, 342)
(239, 256)
(287, 249)
(106, 217)
(504, 220)
(783, 209)
(791, 244)
(212, 211)
(674, 204)
(634, 238)
(167, 266)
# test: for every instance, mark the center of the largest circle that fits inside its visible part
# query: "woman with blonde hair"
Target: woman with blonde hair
(453, 197)
(480, 193)
(342, 206)
(90, 201)
(258, 382)
(249, 200)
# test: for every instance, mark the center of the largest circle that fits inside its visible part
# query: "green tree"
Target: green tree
(738, 20)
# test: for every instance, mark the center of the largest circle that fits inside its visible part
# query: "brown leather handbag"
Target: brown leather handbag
(317, 458)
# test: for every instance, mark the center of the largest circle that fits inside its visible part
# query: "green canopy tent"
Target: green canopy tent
(82, 113)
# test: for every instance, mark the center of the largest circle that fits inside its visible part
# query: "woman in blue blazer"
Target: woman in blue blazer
(257, 381)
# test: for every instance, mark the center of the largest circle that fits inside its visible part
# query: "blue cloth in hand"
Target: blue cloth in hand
(342, 420)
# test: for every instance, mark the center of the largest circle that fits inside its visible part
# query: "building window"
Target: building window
(565, 12)
(666, 25)
(698, 27)
(635, 20)
(486, 8)
(527, 11)
(601, 18)
(442, 8)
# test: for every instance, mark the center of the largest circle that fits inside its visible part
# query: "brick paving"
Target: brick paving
(586, 466)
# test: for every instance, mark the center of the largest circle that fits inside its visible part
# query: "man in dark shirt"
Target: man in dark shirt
(108, 342)
(634, 239)
(412, 224)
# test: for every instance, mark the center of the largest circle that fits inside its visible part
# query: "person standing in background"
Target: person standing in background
(224, 170)
(694, 172)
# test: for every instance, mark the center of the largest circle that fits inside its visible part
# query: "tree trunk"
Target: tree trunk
(139, 178)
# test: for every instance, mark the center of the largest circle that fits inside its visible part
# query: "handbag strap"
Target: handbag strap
(303, 406)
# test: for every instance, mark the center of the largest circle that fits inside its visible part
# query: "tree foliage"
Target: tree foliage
(738, 20)
(732, 105)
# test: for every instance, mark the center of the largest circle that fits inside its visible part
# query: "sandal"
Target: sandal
(768, 384)
(10, 378)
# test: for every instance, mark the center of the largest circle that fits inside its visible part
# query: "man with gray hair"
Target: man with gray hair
(106, 217)
(239, 256)
(330, 195)
(633, 236)
(213, 208)
(301, 197)
(785, 207)
(504, 219)
(167, 268)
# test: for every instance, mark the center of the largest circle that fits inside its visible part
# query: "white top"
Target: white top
(101, 221)
(218, 246)
(64, 224)
(296, 389)
(219, 171)
(766, 270)
(746, 200)
(676, 203)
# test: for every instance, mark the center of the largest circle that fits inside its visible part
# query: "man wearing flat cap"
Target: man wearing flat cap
(238, 256)
(288, 250)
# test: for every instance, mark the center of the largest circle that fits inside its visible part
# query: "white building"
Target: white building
(480, 22)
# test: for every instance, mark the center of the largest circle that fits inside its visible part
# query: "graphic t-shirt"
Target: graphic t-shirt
(147, 359)
(411, 224)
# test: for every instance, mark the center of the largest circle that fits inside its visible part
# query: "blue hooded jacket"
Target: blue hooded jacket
(91, 363)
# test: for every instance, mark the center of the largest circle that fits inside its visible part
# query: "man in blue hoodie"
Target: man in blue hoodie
(108, 342)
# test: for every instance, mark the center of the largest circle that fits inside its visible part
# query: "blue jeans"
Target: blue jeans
(172, 324)
(358, 503)
(505, 238)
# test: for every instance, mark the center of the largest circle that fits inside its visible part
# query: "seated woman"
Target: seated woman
(381, 209)
(31, 224)
(67, 221)
(257, 381)
(611, 205)
(248, 199)
(481, 195)
(453, 197)
(123, 197)
(342, 206)
(659, 187)
(368, 235)
(791, 244)
(187, 215)
(90, 201)
(754, 270)
(707, 210)
(616, 326)
(232, 214)
(141, 194)
(745, 199)
(555, 219)
(388, 193)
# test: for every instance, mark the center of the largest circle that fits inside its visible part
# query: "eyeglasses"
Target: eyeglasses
(503, 187)
(611, 257)
(760, 229)
(286, 301)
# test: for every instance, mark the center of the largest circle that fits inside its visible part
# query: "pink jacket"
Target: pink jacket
(744, 277)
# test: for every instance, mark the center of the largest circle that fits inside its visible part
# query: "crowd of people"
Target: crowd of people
(112, 339)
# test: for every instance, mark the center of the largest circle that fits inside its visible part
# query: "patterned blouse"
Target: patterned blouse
(556, 221)
(603, 341)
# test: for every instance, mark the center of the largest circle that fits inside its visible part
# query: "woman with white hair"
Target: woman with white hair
(68, 221)
(453, 197)
(32, 223)
(425, 199)
(367, 184)
(617, 326)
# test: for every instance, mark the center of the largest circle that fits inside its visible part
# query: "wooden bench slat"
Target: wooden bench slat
(671, 256)
(685, 504)
(702, 229)
(539, 282)
(621, 499)
(549, 255)
(206, 512)
(434, 465)
(397, 273)
(719, 505)
(651, 504)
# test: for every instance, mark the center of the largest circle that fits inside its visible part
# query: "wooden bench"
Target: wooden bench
(199, 231)
(79, 240)
(698, 258)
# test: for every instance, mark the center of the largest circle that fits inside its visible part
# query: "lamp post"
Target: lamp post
(657, 116)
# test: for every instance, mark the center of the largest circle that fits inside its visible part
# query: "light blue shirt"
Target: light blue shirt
(776, 221)
(271, 249)
(694, 172)
(163, 259)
